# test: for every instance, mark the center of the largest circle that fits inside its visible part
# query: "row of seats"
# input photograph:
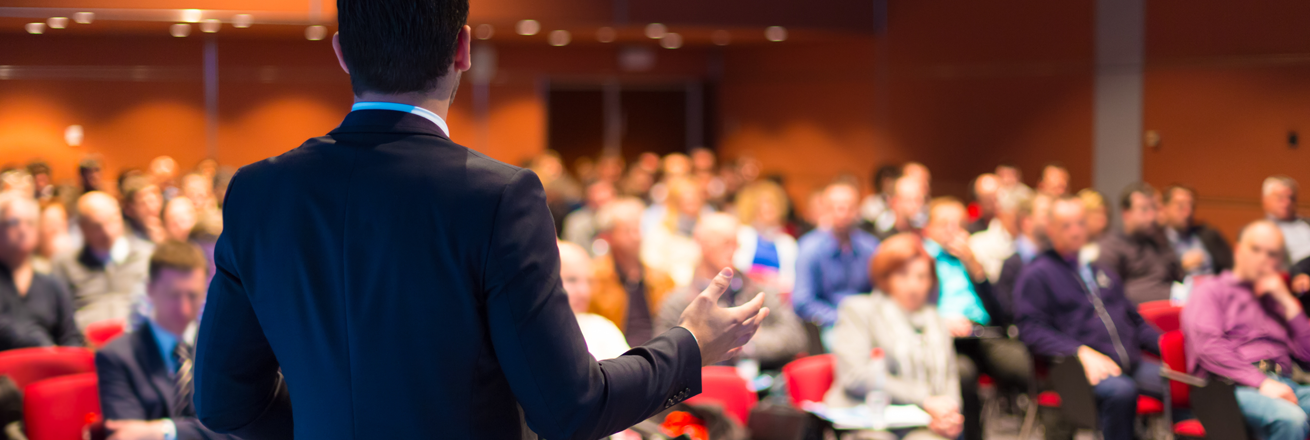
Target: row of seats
(60, 394)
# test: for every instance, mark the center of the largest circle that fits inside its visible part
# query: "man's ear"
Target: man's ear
(336, 47)
(463, 51)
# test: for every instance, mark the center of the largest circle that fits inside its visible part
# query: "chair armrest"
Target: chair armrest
(1169, 373)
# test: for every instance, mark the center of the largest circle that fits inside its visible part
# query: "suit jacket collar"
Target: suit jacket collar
(387, 121)
(146, 350)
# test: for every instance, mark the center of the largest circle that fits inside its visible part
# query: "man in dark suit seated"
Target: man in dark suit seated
(145, 376)
(384, 282)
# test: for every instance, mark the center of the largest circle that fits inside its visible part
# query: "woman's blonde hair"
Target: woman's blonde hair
(748, 200)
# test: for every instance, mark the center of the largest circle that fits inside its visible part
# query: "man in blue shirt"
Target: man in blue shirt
(966, 303)
(833, 262)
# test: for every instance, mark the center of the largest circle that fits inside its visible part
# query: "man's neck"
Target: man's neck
(429, 101)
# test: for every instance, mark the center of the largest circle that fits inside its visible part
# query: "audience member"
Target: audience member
(580, 225)
(163, 172)
(1278, 195)
(876, 209)
(1055, 180)
(88, 173)
(1031, 242)
(1247, 327)
(995, 243)
(628, 292)
(221, 181)
(107, 276)
(205, 235)
(985, 188)
(145, 376)
(604, 340)
(1066, 308)
(965, 300)
(780, 338)
(898, 319)
(766, 253)
(669, 246)
(179, 218)
(17, 180)
(1202, 249)
(919, 172)
(1098, 221)
(53, 237)
(199, 189)
(143, 207)
(43, 181)
(1011, 179)
(833, 263)
(610, 168)
(908, 200)
(1139, 255)
(35, 310)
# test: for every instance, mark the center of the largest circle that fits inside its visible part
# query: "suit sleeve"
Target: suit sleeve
(1037, 327)
(238, 386)
(118, 400)
(189, 428)
(564, 393)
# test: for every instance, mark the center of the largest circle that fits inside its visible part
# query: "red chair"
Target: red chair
(1154, 305)
(1166, 318)
(59, 408)
(809, 378)
(1213, 402)
(721, 385)
(28, 365)
(101, 332)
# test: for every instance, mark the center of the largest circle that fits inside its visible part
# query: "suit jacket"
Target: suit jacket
(135, 384)
(102, 290)
(611, 300)
(407, 287)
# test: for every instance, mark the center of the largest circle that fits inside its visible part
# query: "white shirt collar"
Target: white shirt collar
(406, 108)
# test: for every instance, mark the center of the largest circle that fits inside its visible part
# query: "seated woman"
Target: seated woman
(765, 253)
(920, 352)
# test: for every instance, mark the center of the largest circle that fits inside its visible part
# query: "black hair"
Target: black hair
(1126, 197)
(399, 46)
(1168, 193)
(885, 172)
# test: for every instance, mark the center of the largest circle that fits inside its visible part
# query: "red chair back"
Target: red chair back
(59, 408)
(721, 385)
(1174, 356)
(28, 365)
(1154, 305)
(809, 378)
(1165, 318)
(101, 332)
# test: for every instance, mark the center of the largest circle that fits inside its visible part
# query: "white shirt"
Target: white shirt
(991, 247)
(604, 340)
(404, 108)
(1296, 233)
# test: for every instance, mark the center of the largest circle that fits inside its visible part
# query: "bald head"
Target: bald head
(1259, 251)
(179, 218)
(717, 236)
(101, 221)
(576, 274)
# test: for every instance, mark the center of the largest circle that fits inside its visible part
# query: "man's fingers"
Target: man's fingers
(718, 286)
(758, 319)
(732, 353)
(750, 309)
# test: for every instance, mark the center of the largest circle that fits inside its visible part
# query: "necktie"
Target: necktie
(182, 399)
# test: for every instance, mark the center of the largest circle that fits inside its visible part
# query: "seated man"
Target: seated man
(1140, 255)
(1247, 326)
(107, 276)
(1067, 308)
(833, 263)
(780, 338)
(1032, 213)
(628, 293)
(145, 376)
(35, 310)
(604, 340)
(965, 301)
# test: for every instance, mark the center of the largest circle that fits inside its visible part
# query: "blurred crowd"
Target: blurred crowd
(950, 290)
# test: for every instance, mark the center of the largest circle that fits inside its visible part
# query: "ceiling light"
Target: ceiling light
(485, 31)
(242, 21)
(191, 15)
(721, 37)
(315, 32)
(560, 38)
(35, 28)
(671, 40)
(180, 30)
(210, 25)
(528, 27)
(605, 35)
(57, 22)
(73, 135)
(775, 33)
(84, 17)
(655, 30)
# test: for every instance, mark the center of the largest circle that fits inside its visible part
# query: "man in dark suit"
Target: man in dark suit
(145, 376)
(388, 283)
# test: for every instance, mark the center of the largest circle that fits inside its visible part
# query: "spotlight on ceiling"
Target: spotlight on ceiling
(210, 25)
(528, 27)
(84, 17)
(560, 38)
(315, 32)
(191, 15)
(57, 22)
(671, 40)
(606, 35)
(484, 31)
(179, 30)
(776, 33)
(242, 21)
(656, 30)
(721, 37)
(35, 28)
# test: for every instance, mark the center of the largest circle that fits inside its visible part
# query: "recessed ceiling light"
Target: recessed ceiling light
(528, 27)
(35, 28)
(179, 30)
(605, 35)
(560, 38)
(721, 37)
(776, 33)
(57, 22)
(191, 15)
(84, 17)
(671, 40)
(484, 31)
(315, 32)
(210, 25)
(242, 21)
(656, 30)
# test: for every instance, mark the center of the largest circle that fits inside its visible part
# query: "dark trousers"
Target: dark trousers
(1116, 399)
(1007, 362)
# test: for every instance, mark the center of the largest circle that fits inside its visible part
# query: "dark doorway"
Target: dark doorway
(646, 118)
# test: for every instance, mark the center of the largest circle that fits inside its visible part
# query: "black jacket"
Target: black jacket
(407, 287)
(1221, 254)
(41, 318)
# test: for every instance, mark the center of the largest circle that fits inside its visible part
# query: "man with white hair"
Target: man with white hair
(1278, 195)
(35, 310)
(780, 338)
(107, 276)
(604, 340)
(628, 292)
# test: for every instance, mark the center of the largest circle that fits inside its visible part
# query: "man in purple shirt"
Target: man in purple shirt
(1247, 326)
